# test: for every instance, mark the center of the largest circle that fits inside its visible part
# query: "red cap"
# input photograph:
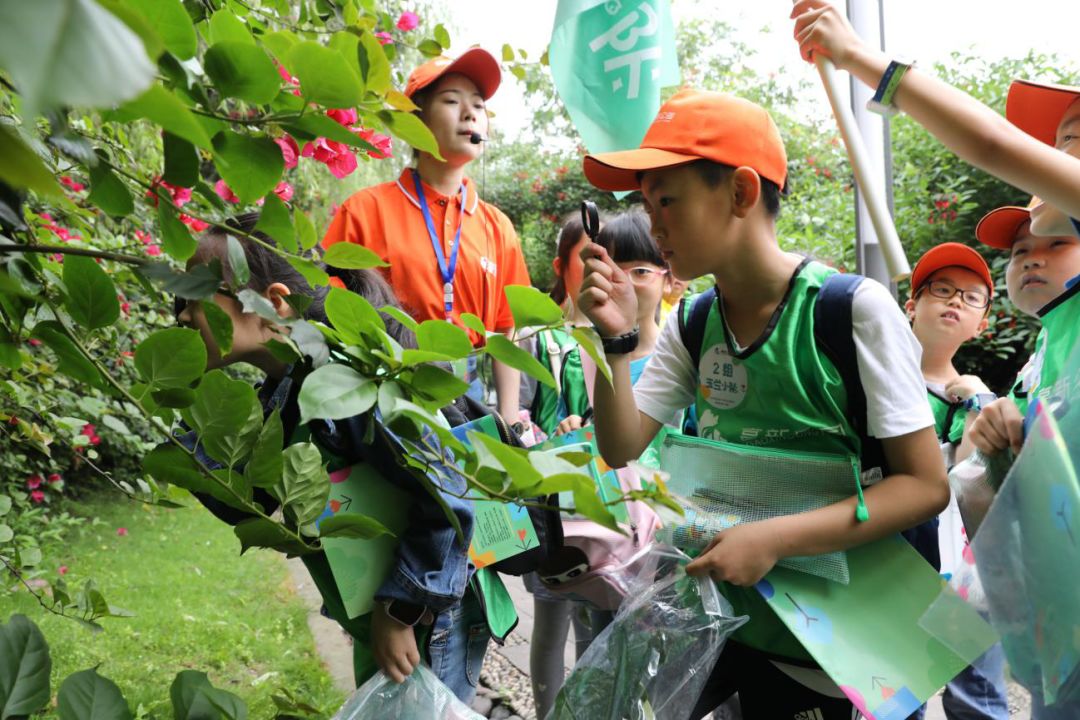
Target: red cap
(998, 227)
(1037, 108)
(476, 64)
(950, 254)
(697, 125)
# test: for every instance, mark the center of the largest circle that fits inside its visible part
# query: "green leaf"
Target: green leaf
(172, 23)
(474, 323)
(171, 358)
(220, 326)
(30, 557)
(88, 696)
(175, 398)
(351, 315)
(507, 53)
(352, 525)
(305, 231)
(22, 168)
(71, 52)
(138, 24)
(175, 238)
(490, 452)
(350, 256)
(24, 668)
(10, 355)
(443, 337)
(201, 281)
(5, 505)
(238, 264)
(334, 392)
(305, 486)
(589, 340)
(91, 296)
(275, 222)
(401, 316)
(280, 42)
(243, 71)
(442, 36)
(589, 504)
(225, 26)
(6, 533)
(162, 107)
(181, 161)
(430, 48)
(227, 415)
(314, 274)
(109, 193)
(310, 127)
(265, 467)
(230, 705)
(531, 307)
(169, 464)
(437, 384)
(374, 65)
(252, 167)
(412, 130)
(253, 302)
(310, 62)
(194, 698)
(510, 354)
(70, 361)
(311, 342)
(258, 532)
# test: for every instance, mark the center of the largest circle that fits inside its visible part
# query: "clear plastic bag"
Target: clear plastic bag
(653, 660)
(421, 697)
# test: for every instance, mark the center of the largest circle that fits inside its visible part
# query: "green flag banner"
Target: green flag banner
(609, 61)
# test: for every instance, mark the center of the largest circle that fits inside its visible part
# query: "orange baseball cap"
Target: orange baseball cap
(950, 254)
(697, 125)
(476, 64)
(998, 227)
(1037, 108)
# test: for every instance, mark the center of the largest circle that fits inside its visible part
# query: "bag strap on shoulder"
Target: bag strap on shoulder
(693, 316)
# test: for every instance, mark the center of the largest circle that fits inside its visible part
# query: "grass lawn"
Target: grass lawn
(197, 603)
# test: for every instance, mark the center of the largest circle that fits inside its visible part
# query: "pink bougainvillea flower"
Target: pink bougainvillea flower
(37, 496)
(290, 151)
(384, 147)
(193, 223)
(121, 531)
(143, 237)
(408, 21)
(284, 191)
(34, 342)
(71, 184)
(290, 82)
(88, 430)
(54, 478)
(344, 116)
(33, 482)
(338, 157)
(180, 195)
(153, 250)
(62, 570)
(225, 192)
(125, 308)
(384, 38)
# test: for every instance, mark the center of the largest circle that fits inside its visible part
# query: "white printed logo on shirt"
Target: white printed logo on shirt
(488, 266)
(723, 381)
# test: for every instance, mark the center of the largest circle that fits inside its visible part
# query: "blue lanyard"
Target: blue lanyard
(447, 270)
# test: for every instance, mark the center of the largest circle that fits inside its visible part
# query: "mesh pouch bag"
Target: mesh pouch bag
(723, 484)
(421, 697)
(652, 661)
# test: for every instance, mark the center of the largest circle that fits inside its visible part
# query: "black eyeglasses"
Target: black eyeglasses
(947, 291)
(180, 303)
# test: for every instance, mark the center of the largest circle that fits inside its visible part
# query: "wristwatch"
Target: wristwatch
(622, 344)
(405, 613)
(978, 401)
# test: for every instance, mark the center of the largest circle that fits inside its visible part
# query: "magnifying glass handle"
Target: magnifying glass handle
(590, 219)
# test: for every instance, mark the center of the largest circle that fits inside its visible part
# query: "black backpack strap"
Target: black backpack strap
(692, 322)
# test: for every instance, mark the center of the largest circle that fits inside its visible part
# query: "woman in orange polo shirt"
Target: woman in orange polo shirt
(449, 251)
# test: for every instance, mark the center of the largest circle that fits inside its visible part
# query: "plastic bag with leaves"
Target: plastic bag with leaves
(421, 697)
(652, 661)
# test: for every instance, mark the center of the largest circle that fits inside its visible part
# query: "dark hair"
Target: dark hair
(265, 266)
(569, 237)
(628, 238)
(714, 173)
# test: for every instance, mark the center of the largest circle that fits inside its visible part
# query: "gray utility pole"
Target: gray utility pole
(868, 19)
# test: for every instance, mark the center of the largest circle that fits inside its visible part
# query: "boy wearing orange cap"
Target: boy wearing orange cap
(951, 290)
(711, 169)
(1047, 115)
(449, 251)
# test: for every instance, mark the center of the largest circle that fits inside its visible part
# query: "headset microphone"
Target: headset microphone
(476, 138)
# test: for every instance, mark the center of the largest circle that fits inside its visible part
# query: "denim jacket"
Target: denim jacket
(432, 567)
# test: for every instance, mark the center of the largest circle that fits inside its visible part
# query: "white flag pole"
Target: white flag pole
(891, 249)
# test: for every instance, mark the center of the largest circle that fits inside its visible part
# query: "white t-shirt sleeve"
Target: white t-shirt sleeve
(889, 358)
(667, 384)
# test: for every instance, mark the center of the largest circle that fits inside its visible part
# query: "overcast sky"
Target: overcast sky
(927, 30)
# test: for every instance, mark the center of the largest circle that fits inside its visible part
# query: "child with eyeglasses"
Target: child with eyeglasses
(951, 291)
(629, 241)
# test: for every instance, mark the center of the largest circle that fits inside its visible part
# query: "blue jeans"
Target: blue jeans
(1060, 711)
(476, 390)
(458, 643)
(978, 692)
